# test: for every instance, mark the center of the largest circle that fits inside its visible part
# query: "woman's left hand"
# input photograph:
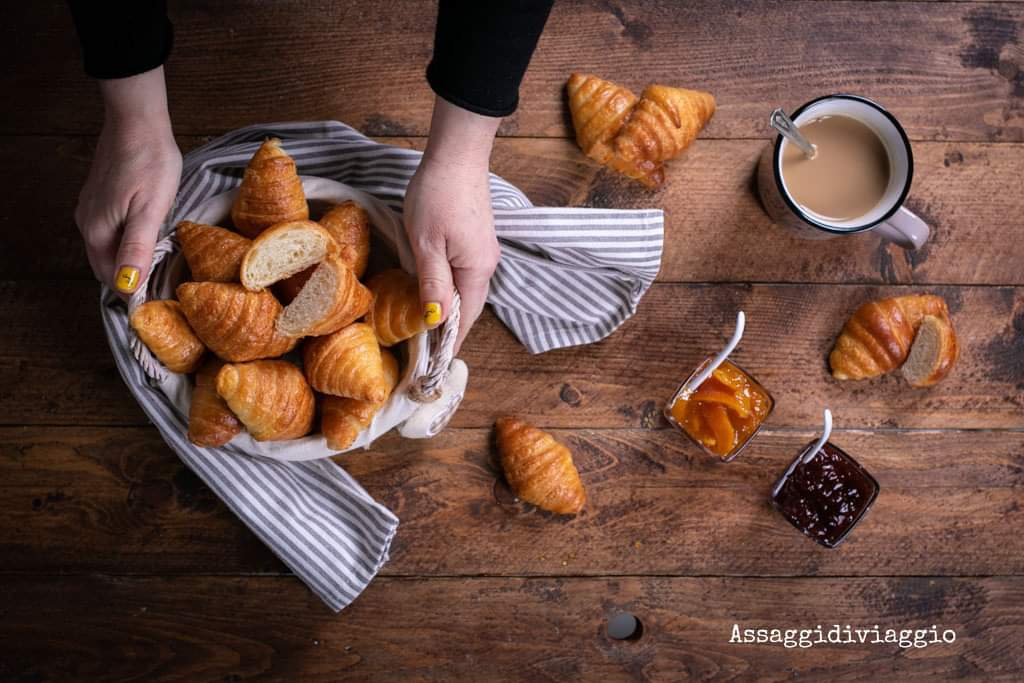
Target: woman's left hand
(448, 216)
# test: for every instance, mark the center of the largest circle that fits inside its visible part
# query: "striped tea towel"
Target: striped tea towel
(566, 277)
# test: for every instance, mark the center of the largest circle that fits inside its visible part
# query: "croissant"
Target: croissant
(271, 192)
(396, 313)
(270, 397)
(539, 469)
(636, 136)
(213, 254)
(347, 363)
(878, 336)
(234, 323)
(342, 419)
(331, 299)
(164, 330)
(210, 422)
(599, 108)
(349, 225)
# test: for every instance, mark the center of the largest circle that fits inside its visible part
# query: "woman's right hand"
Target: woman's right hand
(132, 181)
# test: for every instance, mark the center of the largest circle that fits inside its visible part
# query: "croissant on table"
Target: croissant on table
(163, 329)
(880, 334)
(213, 254)
(271, 192)
(636, 136)
(347, 363)
(342, 419)
(234, 323)
(210, 422)
(539, 469)
(396, 313)
(270, 397)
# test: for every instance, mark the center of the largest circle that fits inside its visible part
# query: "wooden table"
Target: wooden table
(118, 564)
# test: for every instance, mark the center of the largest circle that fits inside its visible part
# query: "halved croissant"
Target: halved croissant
(210, 422)
(396, 313)
(163, 329)
(271, 192)
(349, 225)
(213, 254)
(331, 299)
(347, 363)
(342, 419)
(284, 250)
(636, 136)
(877, 337)
(539, 469)
(234, 323)
(933, 352)
(270, 397)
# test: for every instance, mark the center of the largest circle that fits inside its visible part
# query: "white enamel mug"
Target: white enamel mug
(888, 217)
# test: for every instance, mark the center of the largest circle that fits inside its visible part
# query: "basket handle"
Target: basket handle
(427, 387)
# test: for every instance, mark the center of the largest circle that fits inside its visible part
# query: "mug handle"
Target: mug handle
(905, 228)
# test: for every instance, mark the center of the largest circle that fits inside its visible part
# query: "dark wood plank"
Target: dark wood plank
(117, 500)
(716, 229)
(536, 630)
(950, 71)
(56, 368)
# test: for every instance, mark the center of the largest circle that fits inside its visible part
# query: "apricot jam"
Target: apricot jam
(724, 412)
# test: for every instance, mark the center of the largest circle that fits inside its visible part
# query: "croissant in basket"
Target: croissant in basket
(271, 192)
(396, 314)
(343, 419)
(332, 298)
(347, 363)
(210, 422)
(636, 136)
(879, 337)
(539, 469)
(234, 323)
(163, 329)
(213, 254)
(270, 397)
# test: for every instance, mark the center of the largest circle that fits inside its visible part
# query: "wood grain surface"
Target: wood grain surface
(117, 563)
(949, 71)
(535, 630)
(104, 499)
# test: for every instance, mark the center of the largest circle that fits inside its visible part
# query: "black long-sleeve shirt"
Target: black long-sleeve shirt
(481, 47)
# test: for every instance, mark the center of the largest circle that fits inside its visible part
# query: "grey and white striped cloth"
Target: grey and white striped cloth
(567, 277)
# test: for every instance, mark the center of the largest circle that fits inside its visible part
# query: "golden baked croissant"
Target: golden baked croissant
(877, 337)
(270, 397)
(210, 422)
(163, 329)
(213, 254)
(539, 469)
(349, 225)
(234, 323)
(396, 313)
(342, 419)
(271, 191)
(599, 108)
(636, 136)
(347, 363)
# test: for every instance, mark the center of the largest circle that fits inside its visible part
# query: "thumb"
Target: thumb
(435, 274)
(135, 254)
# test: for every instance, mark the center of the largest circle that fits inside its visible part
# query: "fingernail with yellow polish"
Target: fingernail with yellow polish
(432, 313)
(127, 279)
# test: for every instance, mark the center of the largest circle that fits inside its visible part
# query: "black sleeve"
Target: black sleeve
(121, 38)
(482, 49)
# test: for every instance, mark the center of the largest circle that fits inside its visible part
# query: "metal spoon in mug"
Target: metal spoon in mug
(782, 123)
